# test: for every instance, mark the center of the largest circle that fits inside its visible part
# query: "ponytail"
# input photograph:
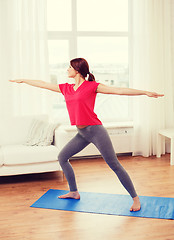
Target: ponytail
(91, 77)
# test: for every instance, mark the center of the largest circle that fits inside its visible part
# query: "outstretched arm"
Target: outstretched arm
(39, 83)
(125, 91)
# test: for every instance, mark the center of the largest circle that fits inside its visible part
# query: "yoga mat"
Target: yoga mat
(111, 204)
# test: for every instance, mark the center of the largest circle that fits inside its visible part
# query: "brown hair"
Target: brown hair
(82, 66)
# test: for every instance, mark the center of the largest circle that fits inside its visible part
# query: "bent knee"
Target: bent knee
(115, 166)
(61, 158)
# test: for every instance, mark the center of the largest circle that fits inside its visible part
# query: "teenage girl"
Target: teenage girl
(80, 99)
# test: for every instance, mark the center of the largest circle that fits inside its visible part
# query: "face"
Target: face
(71, 72)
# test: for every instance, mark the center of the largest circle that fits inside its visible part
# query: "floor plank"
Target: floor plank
(151, 176)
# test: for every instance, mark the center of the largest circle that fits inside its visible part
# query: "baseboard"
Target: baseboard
(99, 156)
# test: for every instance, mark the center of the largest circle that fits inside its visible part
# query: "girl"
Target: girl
(80, 100)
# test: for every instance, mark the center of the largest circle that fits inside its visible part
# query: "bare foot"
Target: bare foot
(136, 205)
(74, 195)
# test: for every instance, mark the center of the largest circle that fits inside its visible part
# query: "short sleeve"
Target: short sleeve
(95, 85)
(63, 88)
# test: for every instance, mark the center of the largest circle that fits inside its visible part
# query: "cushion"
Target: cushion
(41, 133)
(14, 130)
(21, 154)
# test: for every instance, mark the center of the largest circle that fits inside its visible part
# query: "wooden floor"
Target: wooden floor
(18, 221)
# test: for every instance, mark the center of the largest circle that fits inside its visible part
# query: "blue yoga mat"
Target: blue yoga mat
(113, 204)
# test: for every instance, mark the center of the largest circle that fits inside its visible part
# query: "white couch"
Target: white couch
(17, 158)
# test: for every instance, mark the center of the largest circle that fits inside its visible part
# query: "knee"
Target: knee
(61, 158)
(115, 166)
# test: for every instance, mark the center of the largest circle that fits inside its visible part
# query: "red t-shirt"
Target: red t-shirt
(80, 103)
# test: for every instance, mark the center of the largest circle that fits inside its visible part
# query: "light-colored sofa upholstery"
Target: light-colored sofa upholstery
(18, 158)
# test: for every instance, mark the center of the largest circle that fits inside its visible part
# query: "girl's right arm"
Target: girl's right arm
(39, 83)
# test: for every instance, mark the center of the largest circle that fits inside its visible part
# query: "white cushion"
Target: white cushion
(8, 170)
(41, 133)
(14, 130)
(20, 154)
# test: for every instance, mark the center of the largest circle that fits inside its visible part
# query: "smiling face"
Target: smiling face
(71, 72)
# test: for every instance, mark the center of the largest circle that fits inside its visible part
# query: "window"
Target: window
(96, 30)
(59, 15)
(102, 15)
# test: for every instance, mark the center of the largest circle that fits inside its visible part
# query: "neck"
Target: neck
(78, 80)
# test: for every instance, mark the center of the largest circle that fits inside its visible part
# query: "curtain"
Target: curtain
(5, 91)
(152, 70)
(24, 55)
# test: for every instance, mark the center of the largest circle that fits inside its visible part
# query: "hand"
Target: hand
(154, 94)
(16, 80)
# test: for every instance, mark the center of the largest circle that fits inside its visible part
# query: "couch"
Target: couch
(23, 152)
(18, 154)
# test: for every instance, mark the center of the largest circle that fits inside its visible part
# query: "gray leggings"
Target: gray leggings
(97, 135)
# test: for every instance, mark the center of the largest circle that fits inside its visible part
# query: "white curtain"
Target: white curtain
(5, 91)
(24, 55)
(152, 71)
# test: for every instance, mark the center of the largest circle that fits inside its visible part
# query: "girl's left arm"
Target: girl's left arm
(125, 91)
